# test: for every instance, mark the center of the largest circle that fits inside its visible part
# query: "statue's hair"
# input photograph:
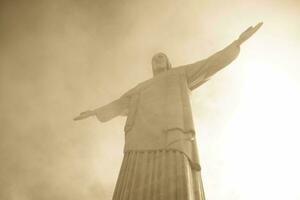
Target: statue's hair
(169, 66)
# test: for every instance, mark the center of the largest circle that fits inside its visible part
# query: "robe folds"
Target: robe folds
(158, 175)
(160, 116)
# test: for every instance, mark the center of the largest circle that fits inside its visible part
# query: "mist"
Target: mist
(59, 58)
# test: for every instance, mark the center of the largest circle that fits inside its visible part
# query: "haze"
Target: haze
(59, 58)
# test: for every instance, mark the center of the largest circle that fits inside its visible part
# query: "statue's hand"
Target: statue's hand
(248, 33)
(85, 114)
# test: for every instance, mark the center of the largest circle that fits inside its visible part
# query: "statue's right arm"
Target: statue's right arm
(108, 111)
(113, 109)
(119, 107)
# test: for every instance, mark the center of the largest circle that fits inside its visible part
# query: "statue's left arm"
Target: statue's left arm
(199, 72)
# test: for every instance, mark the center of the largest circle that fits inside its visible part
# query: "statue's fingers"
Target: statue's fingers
(77, 118)
(256, 27)
(85, 112)
(81, 117)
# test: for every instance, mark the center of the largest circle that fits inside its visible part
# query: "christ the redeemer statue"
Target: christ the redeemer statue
(160, 154)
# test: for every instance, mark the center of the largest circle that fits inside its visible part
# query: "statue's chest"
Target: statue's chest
(161, 87)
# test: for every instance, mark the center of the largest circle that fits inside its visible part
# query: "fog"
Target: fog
(61, 57)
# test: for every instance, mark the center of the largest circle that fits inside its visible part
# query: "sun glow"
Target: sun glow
(261, 139)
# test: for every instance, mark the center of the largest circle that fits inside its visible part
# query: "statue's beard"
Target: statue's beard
(158, 70)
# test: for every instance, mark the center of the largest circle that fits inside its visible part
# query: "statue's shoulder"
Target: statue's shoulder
(137, 88)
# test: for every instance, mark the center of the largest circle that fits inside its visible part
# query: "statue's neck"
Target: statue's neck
(159, 72)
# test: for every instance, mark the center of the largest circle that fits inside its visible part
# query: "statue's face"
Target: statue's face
(159, 63)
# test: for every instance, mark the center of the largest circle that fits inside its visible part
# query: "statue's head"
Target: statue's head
(160, 63)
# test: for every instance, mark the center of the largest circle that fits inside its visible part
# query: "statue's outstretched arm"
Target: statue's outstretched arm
(199, 72)
(113, 109)
(110, 110)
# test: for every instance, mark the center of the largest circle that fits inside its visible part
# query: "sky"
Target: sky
(61, 57)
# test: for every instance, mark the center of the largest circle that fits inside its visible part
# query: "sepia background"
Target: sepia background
(61, 57)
